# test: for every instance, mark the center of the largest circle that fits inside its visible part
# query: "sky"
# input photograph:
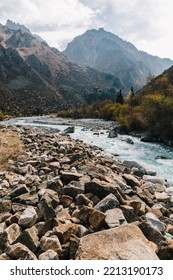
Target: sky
(148, 24)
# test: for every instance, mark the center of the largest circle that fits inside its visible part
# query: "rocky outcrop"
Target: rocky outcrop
(64, 199)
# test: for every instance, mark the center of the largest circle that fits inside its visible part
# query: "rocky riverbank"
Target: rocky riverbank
(64, 199)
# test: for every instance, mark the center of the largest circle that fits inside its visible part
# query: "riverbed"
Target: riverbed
(153, 156)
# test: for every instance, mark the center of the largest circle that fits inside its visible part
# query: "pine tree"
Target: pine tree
(120, 98)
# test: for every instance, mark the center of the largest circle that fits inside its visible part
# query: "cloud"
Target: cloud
(58, 20)
(145, 23)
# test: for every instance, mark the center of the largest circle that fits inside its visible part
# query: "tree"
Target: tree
(120, 98)
(130, 97)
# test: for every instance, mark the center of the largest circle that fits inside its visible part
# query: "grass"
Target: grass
(10, 148)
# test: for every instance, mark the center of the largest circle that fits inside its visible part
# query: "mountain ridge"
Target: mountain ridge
(107, 52)
(44, 74)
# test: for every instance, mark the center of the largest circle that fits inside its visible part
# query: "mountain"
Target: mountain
(35, 78)
(108, 53)
(17, 26)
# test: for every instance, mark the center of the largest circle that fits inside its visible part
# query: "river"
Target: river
(152, 156)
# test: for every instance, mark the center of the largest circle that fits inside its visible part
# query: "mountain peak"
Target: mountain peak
(17, 26)
(108, 53)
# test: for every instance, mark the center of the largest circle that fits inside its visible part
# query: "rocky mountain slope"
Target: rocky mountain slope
(64, 199)
(36, 78)
(108, 53)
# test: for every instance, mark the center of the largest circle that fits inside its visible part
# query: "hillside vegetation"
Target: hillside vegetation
(148, 110)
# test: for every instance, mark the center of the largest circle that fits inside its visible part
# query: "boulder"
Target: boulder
(82, 199)
(54, 165)
(114, 218)
(29, 237)
(19, 190)
(2, 228)
(64, 231)
(28, 217)
(131, 163)
(5, 205)
(73, 189)
(109, 202)
(155, 179)
(154, 221)
(67, 177)
(51, 243)
(162, 197)
(68, 130)
(48, 255)
(46, 210)
(102, 189)
(131, 180)
(4, 216)
(125, 242)
(112, 133)
(97, 219)
(43, 227)
(11, 233)
(20, 251)
(150, 232)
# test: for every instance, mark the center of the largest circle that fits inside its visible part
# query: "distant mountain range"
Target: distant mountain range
(107, 52)
(35, 78)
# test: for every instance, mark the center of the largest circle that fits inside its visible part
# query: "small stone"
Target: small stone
(150, 232)
(4, 216)
(2, 227)
(97, 219)
(48, 255)
(114, 218)
(131, 180)
(19, 190)
(82, 199)
(29, 237)
(73, 189)
(55, 186)
(4, 257)
(11, 233)
(5, 205)
(54, 165)
(64, 231)
(20, 251)
(67, 177)
(84, 214)
(28, 217)
(169, 229)
(136, 204)
(43, 227)
(66, 200)
(51, 243)
(154, 221)
(162, 197)
(46, 210)
(109, 202)
(129, 213)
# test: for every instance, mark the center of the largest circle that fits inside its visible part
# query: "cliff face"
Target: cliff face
(107, 52)
(36, 78)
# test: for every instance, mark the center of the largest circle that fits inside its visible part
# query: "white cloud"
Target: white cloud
(145, 23)
(57, 21)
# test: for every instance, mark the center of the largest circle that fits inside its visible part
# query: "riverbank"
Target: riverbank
(154, 157)
(65, 199)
